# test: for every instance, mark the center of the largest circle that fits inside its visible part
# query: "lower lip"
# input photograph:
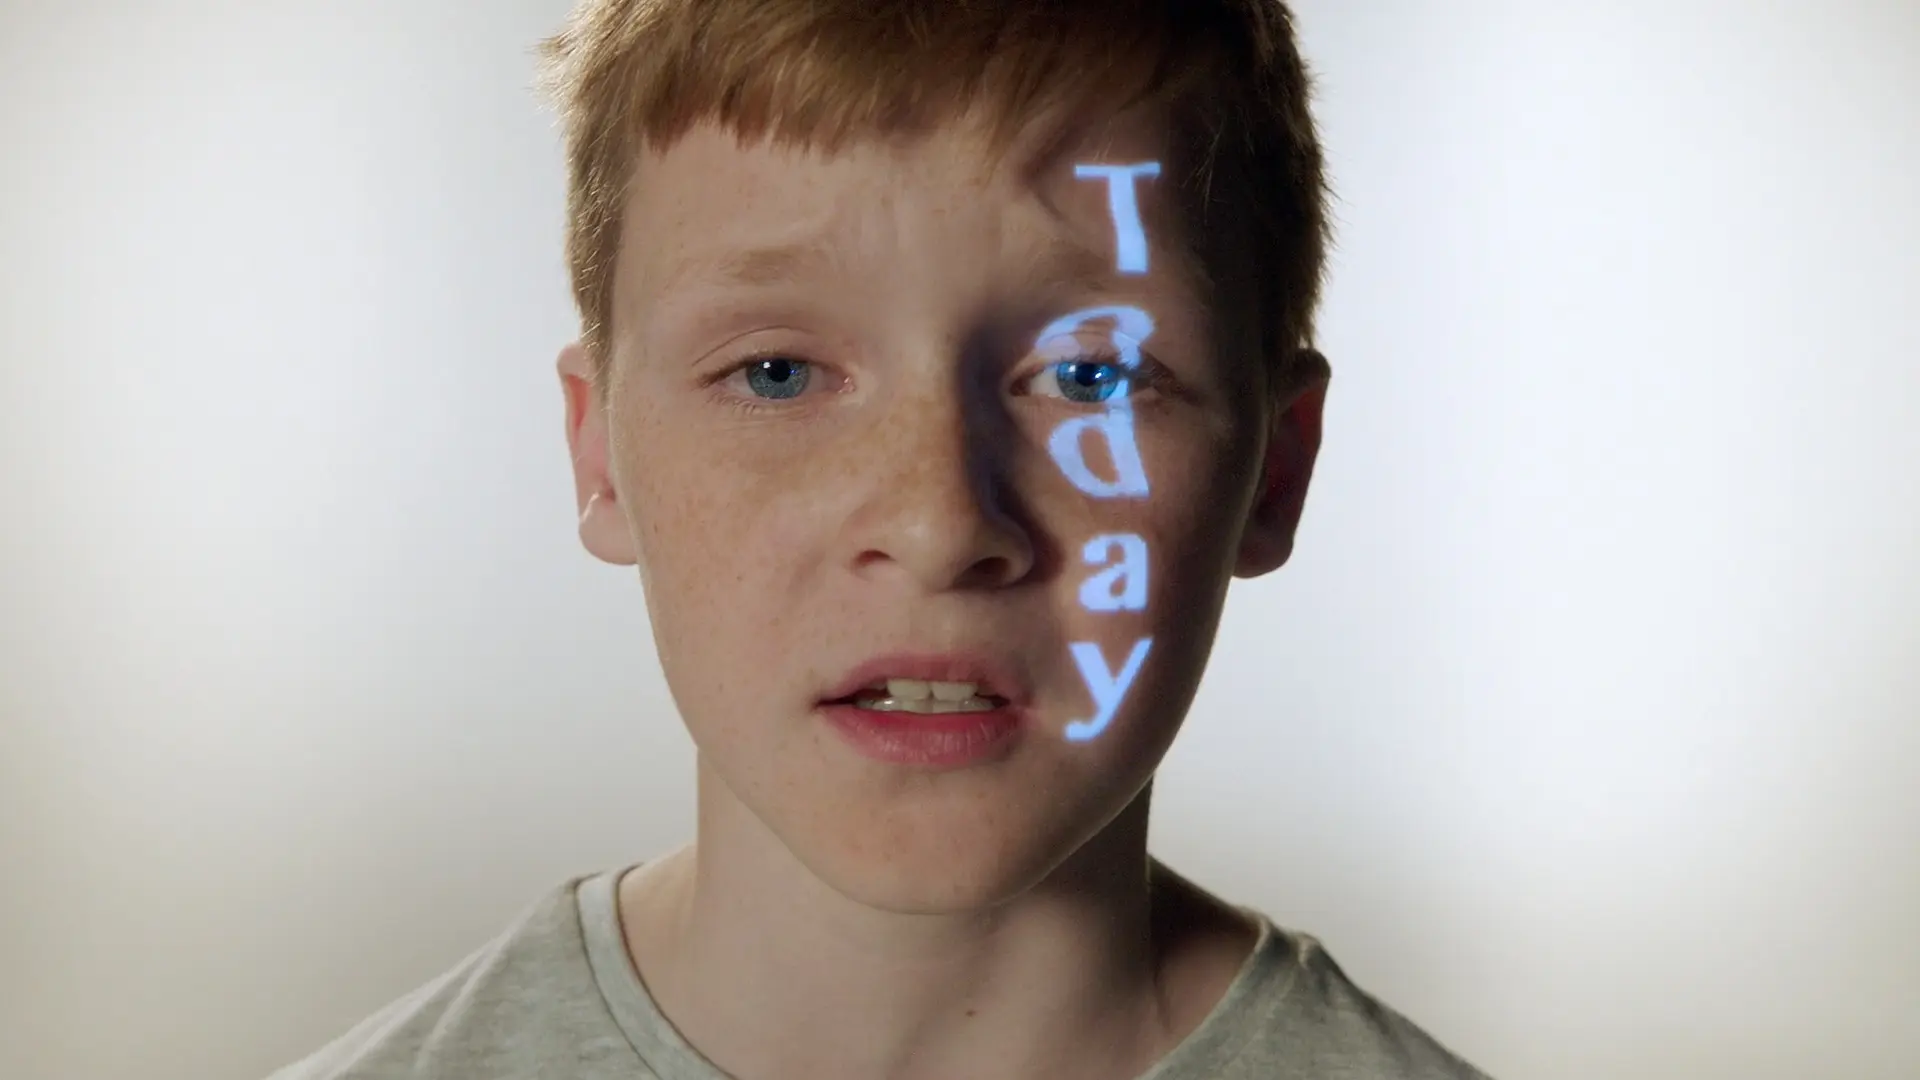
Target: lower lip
(944, 741)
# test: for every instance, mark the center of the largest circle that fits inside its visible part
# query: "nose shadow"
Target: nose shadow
(997, 452)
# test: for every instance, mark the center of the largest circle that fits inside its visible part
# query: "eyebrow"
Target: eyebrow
(1061, 263)
(761, 267)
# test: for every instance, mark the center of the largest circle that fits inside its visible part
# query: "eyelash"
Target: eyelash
(1149, 375)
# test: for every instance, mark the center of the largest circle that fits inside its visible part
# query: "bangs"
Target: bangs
(823, 72)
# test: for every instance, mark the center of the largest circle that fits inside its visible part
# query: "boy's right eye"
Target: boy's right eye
(762, 380)
(777, 377)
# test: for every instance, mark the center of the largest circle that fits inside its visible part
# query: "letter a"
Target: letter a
(1131, 327)
(1099, 592)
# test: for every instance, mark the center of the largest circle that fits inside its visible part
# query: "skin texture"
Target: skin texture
(837, 916)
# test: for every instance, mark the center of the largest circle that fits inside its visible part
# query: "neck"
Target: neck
(768, 971)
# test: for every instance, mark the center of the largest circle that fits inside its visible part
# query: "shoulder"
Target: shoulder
(504, 1010)
(1320, 1022)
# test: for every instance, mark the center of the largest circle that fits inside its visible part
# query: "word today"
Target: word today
(1121, 582)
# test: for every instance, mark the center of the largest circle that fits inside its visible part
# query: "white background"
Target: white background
(1582, 727)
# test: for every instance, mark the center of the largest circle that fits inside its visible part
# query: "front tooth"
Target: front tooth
(953, 691)
(909, 689)
(928, 706)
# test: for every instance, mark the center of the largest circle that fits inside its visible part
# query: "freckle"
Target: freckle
(969, 1012)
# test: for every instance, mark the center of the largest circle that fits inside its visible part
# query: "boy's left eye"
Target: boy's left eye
(1083, 380)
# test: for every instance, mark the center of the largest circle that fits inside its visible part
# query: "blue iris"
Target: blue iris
(1088, 381)
(778, 378)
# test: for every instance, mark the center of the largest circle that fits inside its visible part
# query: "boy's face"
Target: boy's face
(845, 454)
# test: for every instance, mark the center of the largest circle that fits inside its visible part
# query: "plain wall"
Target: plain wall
(1582, 727)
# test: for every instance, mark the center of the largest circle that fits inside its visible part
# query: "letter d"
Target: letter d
(1117, 425)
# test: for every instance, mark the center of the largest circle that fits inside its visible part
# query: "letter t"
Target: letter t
(1132, 235)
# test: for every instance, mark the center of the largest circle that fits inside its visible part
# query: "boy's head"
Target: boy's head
(822, 250)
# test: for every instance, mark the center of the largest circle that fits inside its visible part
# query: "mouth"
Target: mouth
(923, 697)
(931, 684)
(944, 711)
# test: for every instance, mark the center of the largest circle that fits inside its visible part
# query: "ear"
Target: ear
(604, 529)
(1293, 443)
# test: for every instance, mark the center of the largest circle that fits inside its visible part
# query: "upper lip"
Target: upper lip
(991, 676)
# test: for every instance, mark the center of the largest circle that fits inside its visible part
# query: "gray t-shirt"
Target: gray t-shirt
(556, 996)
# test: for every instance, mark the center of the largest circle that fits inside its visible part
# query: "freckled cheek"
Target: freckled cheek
(1189, 523)
(690, 491)
(725, 543)
(1183, 550)
(713, 538)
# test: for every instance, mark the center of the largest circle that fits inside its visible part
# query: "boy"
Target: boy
(941, 363)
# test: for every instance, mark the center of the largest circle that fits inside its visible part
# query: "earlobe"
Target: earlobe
(604, 530)
(1293, 445)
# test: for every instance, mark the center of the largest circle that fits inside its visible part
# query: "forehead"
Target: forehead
(714, 212)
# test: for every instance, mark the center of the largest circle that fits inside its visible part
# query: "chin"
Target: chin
(930, 874)
(938, 888)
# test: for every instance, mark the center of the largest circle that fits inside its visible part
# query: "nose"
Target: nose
(938, 503)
